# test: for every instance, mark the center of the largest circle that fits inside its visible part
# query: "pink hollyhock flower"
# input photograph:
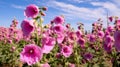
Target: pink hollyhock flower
(60, 38)
(81, 42)
(108, 39)
(88, 56)
(27, 27)
(108, 47)
(47, 44)
(78, 33)
(66, 51)
(58, 29)
(45, 65)
(31, 54)
(31, 11)
(58, 20)
(92, 38)
(118, 22)
(117, 40)
(100, 34)
(110, 19)
(110, 29)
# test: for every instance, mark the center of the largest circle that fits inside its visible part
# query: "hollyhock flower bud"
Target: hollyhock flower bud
(66, 51)
(27, 27)
(60, 38)
(58, 20)
(117, 40)
(58, 55)
(31, 54)
(42, 13)
(44, 8)
(81, 42)
(31, 11)
(110, 19)
(88, 56)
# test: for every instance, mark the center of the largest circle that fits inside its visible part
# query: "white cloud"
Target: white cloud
(112, 8)
(79, 12)
(17, 6)
(81, 1)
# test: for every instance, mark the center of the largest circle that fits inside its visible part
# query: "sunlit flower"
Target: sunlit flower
(27, 27)
(31, 11)
(31, 54)
(47, 44)
(66, 51)
(58, 20)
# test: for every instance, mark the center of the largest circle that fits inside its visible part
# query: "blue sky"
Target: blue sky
(85, 11)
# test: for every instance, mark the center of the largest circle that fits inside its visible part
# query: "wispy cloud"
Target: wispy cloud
(18, 6)
(81, 1)
(79, 12)
(112, 8)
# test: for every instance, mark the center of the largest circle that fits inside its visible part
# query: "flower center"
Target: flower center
(31, 51)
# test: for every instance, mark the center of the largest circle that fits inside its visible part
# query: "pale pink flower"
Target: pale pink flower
(31, 54)
(31, 11)
(60, 38)
(66, 50)
(27, 27)
(47, 44)
(58, 20)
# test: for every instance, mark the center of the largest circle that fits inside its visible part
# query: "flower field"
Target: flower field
(57, 44)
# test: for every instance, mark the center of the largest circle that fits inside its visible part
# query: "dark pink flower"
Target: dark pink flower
(109, 39)
(108, 47)
(100, 34)
(81, 42)
(31, 54)
(92, 38)
(27, 27)
(110, 29)
(66, 51)
(110, 19)
(88, 56)
(117, 40)
(31, 11)
(58, 20)
(58, 28)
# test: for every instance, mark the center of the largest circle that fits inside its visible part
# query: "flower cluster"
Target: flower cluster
(57, 43)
